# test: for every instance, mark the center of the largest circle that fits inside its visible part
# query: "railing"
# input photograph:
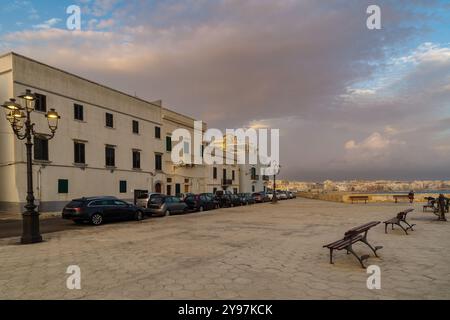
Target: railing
(227, 182)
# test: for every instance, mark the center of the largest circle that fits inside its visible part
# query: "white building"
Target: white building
(107, 142)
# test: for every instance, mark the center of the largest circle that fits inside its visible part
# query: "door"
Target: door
(124, 211)
(169, 190)
(177, 189)
(158, 188)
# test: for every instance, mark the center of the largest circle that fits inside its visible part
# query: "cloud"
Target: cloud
(307, 67)
(47, 24)
(375, 142)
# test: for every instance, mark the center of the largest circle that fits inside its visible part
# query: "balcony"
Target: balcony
(266, 178)
(227, 182)
(255, 177)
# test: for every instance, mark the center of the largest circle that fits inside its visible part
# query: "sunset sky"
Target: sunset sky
(350, 102)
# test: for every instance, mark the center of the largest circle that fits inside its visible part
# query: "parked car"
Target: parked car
(292, 195)
(235, 200)
(259, 197)
(201, 202)
(246, 199)
(283, 195)
(269, 195)
(144, 199)
(183, 196)
(224, 198)
(98, 210)
(166, 205)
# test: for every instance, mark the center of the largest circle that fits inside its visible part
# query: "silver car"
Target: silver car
(162, 205)
(144, 199)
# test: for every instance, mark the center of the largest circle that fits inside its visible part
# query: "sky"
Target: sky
(351, 103)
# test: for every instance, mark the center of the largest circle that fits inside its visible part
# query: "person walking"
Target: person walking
(442, 204)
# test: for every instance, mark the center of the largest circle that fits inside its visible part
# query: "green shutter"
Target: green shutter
(168, 144)
(123, 187)
(63, 186)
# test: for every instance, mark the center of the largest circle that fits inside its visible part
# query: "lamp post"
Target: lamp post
(276, 169)
(19, 117)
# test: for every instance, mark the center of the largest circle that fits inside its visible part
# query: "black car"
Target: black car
(224, 198)
(246, 199)
(98, 210)
(235, 200)
(201, 202)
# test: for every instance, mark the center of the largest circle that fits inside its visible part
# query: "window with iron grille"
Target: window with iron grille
(79, 153)
(109, 120)
(157, 132)
(135, 127)
(40, 149)
(110, 156)
(78, 112)
(40, 103)
(158, 162)
(136, 159)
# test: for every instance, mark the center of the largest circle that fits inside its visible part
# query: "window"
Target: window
(78, 112)
(40, 103)
(157, 132)
(79, 153)
(253, 174)
(233, 175)
(186, 148)
(136, 159)
(123, 186)
(169, 190)
(214, 173)
(253, 189)
(110, 156)
(158, 162)
(224, 174)
(63, 186)
(40, 149)
(235, 190)
(135, 127)
(109, 120)
(168, 144)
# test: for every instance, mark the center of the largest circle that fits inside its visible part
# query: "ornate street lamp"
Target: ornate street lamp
(276, 170)
(19, 117)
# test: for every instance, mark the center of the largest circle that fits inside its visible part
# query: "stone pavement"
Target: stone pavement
(257, 252)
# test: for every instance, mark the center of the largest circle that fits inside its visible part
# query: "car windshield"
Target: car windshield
(143, 196)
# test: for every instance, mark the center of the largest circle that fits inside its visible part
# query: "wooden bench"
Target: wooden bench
(359, 198)
(358, 234)
(401, 196)
(401, 217)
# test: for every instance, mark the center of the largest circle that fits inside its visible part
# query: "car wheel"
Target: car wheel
(167, 213)
(200, 209)
(97, 219)
(139, 216)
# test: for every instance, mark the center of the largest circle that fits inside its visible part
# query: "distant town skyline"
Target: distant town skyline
(351, 103)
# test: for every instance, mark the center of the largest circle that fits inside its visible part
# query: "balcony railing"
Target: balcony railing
(255, 177)
(227, 182)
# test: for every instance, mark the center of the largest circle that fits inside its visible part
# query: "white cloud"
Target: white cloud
(47, 24)
(375, 142)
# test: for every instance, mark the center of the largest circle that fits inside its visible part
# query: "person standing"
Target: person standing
(442, 203)
(411, 196)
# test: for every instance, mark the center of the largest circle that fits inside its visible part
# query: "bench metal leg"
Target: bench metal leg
(410, 226)
(374, 249)
(360, 259)
(331, 256)
(406, 230)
